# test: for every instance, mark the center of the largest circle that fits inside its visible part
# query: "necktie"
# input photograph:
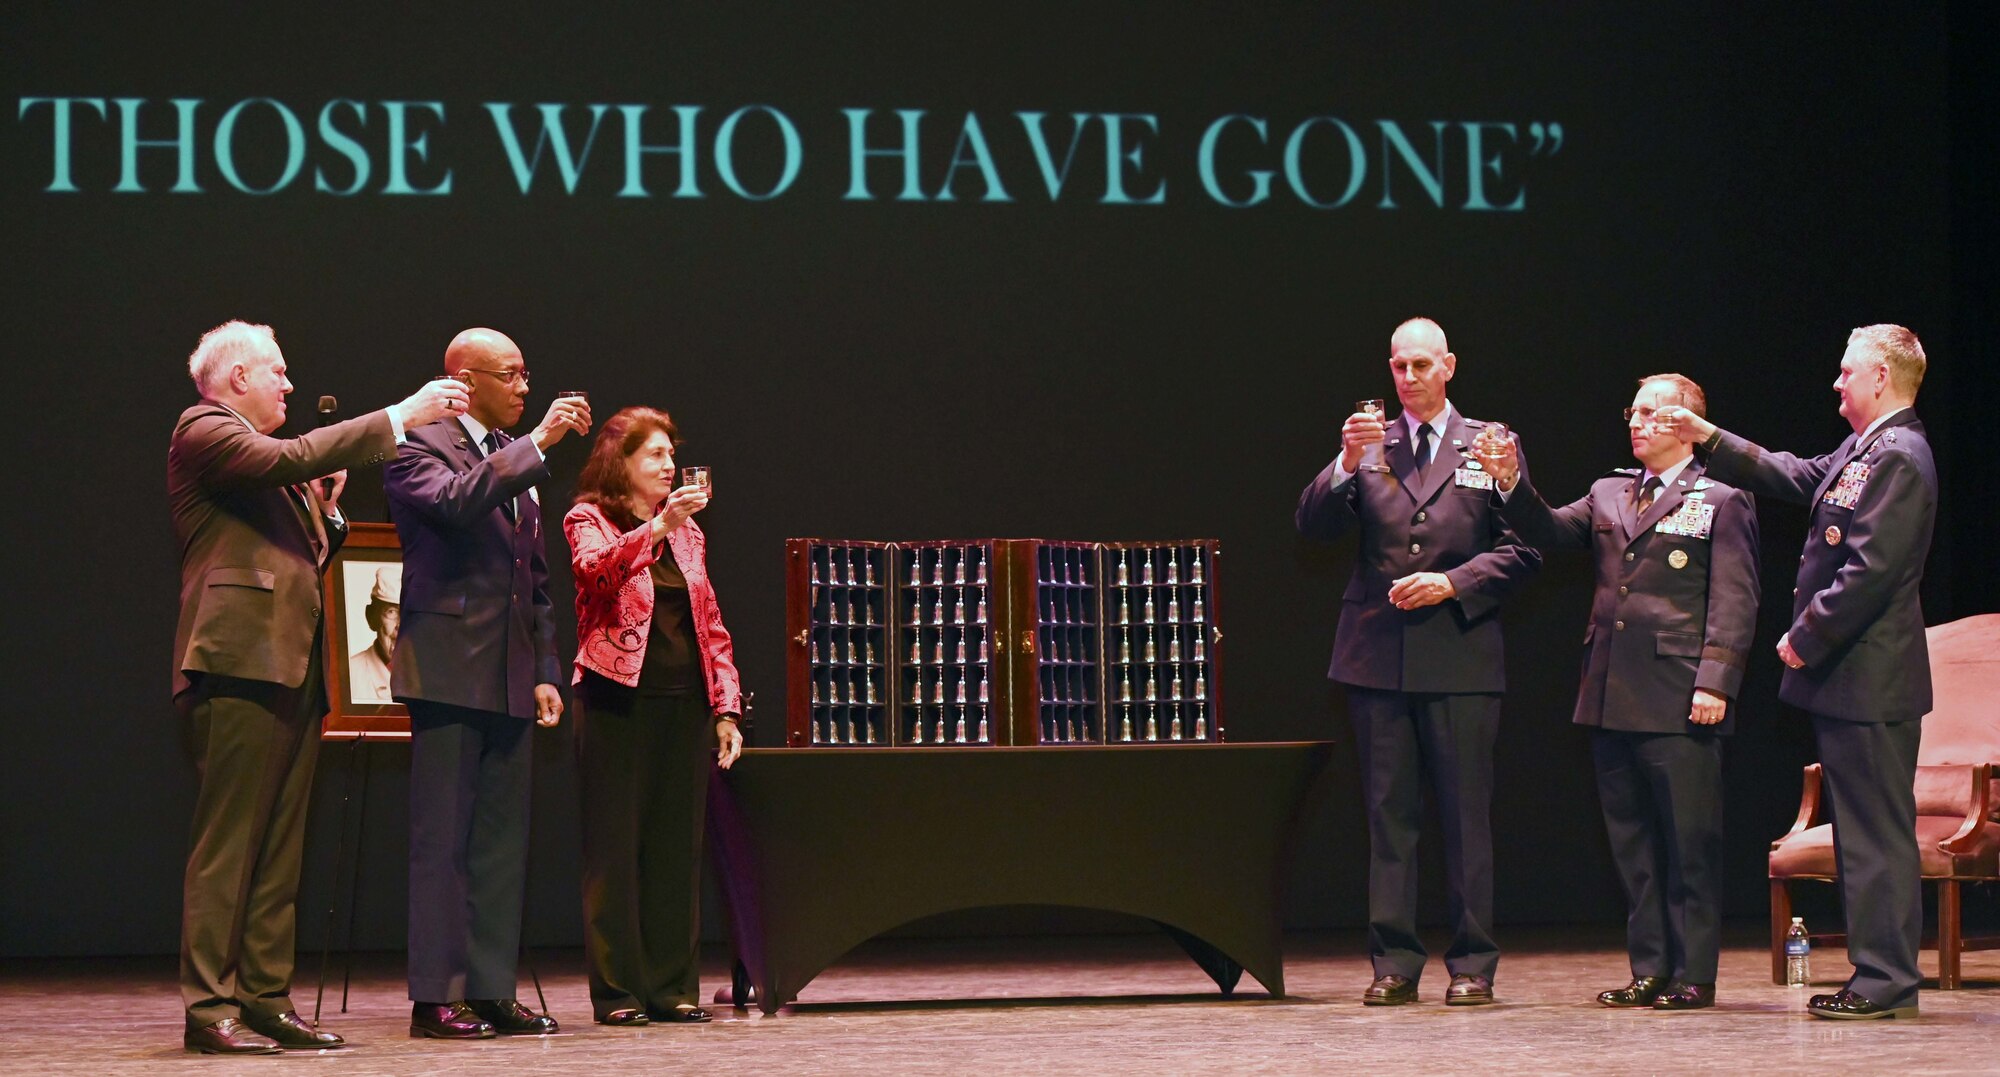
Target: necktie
(492, 443)
(1423, 449)
(1647, 493)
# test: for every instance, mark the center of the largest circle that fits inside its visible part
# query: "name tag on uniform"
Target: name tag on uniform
(1847, 491)
(1473, 480)
(1694, 519)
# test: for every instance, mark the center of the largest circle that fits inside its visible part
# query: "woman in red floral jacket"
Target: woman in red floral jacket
(655, 671)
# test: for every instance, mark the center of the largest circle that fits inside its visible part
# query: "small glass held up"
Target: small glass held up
(1491, 441)
(698, 476)
(1371, 455)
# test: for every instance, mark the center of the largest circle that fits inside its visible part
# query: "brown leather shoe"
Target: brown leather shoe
(509, 1018)
(1390, 990)
(630, 1016)
(1639, 993)
(291, 1032)
(1468, 990)
(1685, 996)
(226, 1037)
(447, 1021)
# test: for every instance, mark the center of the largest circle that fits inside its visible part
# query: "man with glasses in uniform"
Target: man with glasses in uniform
(1671, 621)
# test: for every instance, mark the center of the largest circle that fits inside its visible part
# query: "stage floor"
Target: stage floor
(1083, 1004)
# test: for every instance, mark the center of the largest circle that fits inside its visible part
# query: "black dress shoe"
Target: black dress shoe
(226, 1037)
(291, 1032)
(447, 1021)
(1639, 993)
(685, 1015)
(1466, 990)
(509, 1018)
(1848, 1006)
(1390, 990)
(628, 1016)
(1686, 996)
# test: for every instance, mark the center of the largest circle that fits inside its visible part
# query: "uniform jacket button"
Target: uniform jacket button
(1618, 625)
(1416, 547)
(1628, 556)
(1420, 517)
(1623, 591)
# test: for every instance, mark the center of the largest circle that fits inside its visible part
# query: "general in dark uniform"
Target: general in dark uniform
(1855, 654)
(1418, 646)
(1671, 621)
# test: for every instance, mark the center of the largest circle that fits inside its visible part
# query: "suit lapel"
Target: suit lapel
(468, 453)
(1628, 520)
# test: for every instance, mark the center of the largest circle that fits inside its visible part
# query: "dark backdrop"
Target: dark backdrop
(1736, 186)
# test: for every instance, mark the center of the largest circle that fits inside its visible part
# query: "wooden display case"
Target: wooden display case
(1021, 642)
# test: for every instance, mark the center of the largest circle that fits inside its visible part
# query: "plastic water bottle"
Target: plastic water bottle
(1798, 954)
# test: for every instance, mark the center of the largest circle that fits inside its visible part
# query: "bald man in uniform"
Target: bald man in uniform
(475, 663)
(1418, 647)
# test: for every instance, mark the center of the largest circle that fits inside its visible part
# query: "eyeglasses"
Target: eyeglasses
(1645, 414)
(505, 377)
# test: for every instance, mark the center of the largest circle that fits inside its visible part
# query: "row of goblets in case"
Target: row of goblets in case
(1161, 721)
(838, 646)
(1076, 723)
(856, 566)
(848, 725)
(850, 607)
(1171, 604)
(946, 645)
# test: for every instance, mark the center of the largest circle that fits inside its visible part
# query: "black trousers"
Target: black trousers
(1404, 737)
(643, 769)
(1869, 773)
(255, 744)
(470, 777)
(1662, 800)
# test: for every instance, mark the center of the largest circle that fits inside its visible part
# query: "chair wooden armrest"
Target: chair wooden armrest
(1964, 842)
(1808, 806)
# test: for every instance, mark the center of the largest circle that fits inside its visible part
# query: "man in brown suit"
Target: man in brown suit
(256, 530)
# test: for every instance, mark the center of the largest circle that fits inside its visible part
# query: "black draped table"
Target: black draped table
(821, 849)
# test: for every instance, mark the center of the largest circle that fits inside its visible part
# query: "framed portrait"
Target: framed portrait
(364, 604)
